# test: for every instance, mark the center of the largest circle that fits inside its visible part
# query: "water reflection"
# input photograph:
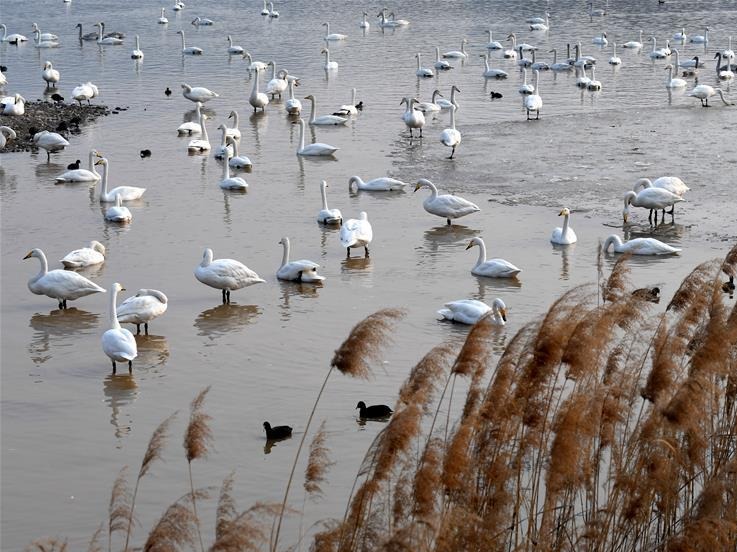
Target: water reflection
(153, 351)
(565, 253)
(57, 328)
(448, 238)
(271, 443)
(120, 390)
(288, 290)
(48, 171)
(488, 287)
(223, 319)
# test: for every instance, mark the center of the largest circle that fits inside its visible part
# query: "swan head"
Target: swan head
(284, 241)
(116, 287)
(97, 246)
(499, 306)
(47, 65)
(565, 212)
(222, 127)
(101, 161)
(628, 197)
(310, 97)
(613, 239)
(363, 215)
(206, 257)
(473, 242)
(324, 51)
(423, 183)
(34, 253)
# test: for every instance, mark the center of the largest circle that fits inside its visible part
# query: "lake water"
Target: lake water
(68, 425)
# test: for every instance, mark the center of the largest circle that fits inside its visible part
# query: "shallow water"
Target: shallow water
(69, 425)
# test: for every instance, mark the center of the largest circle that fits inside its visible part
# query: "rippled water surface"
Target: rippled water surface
(68, 425)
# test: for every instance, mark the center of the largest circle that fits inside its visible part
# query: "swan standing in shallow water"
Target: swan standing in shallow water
(82, 175)
(137, 53)
(672, 184)
(62, 285)
(356, 233)
(470, 311)
(327, 215)
(85, 91)
(534, 102)
(126, 193)
(225, 274)
(565, 235)
(323, 119)
(118, 343)
(258, 99)
(84, 257)
(446, 206)
(312, 150)
(639, 246)
(381, 184)
(278, 82)
(649, 198)
(297, 271)
(50, 75)
(703, 92)
(413, 119)
(50, 141)
(189, 50)
(493, 268)
(143, 307)
(450, 137)
(117, 212)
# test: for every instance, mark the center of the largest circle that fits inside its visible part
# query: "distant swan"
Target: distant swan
(189, 50)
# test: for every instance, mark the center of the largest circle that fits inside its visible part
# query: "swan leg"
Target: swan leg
(347, 252)
(366, 251)
(448, 221)
(672, 209)
(138, 329)
(114, 367)
(223, 296)
(61, 305)
(420, 132)
(650, 217)
(145, 325)
(538, 115)
(65, 303)
(130, 366)
(452, 152)
(528, 114)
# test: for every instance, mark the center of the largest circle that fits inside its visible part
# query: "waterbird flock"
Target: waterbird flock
(229, 275)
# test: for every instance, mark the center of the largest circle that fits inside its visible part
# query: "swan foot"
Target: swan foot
(138, 329)
(226, 296)
(145, 325)
(366, 251)
(452, 153)
(448, 221)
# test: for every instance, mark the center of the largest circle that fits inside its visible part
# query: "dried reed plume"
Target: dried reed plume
(197, 437)
(617, 283)
(729, 266)
(94, 544)
(226, 510)
(47, 545)
(119, 510)
(247, 531)
(177, 527)
(317, 464)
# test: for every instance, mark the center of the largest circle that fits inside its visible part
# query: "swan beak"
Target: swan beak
(122, 288)
(417, 187)
(99, 162)
(503, 312)
(469, 246)
(561, 213)
(28, 256)
(624, 216)
(99, 154)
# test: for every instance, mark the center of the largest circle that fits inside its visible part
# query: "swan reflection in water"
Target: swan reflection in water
(224, 319)
(565, 254)
(299, 290)
(120, 390)
(58, 327)
(488, 288)
(448, 239)
(153, 351)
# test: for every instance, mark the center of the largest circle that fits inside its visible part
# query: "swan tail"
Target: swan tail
(447, 314)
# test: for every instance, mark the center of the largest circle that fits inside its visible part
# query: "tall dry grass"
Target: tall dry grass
(604, 425)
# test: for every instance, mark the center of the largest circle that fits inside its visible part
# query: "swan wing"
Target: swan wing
(82, 257)
(119, 344)
(66, 285)
(497, 268)
(467, 311)
(649, 246)
(448, 205)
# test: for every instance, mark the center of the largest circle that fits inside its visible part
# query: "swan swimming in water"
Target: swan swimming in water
(490, 73)
(234, 49)
(327, 215)
(451, 137)
(323, 119)
(141, 308)
(329, 65)
(84, 257)
(62, 285)
(671, 82)
(639, 246)
(432, 106)
(446, 206)
(191, 127)
(456, 54)
(317, 149)
(107, 40)
(137, 53)
(493, 268)
(332, 36)
(14, 38)
(118, 343)
(356, 233)
(225, 274)
(470, 311)
(189, 50)
(564, 235)
(235, 183)
(240, 162)
(200, 145)
(162, 20)
(422, 72)
(297, 271)
(381, 184)
(117, 212)
(126, 193)
(292, 105)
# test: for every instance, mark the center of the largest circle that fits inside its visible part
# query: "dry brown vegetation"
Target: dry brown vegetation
(601, 426)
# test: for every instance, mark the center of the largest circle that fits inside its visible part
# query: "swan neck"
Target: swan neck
(452, 120)
(114, 324)
(324, 194)
(313, 109)
(254, 92)
(104, 179)
(204, 128)
(482, 253)
(486, 62)
(44, 266)
(353, 97)
(234, 143)
(565, 224)
(285, 255)
(91, 163)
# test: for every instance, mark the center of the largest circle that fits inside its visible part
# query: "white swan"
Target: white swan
(3, 79)
(724, 72)
(703, 92)
(234, 49)
(141, 308)
(422, 72)
(178, 6)
(634, 44)
(233, 132)
(224, 150)
(202, 144)
(728, 53)
(441, 64)
(700, 39)
(558, 66)
(582, 81)
(126, 193)
(106, 40)
(364, 24)
(62, 285)
(565, 235)
(50, 141)
(534, 102)
(525, 88)
(118, 343)
(85, 92)
(40, 43)
(82, 175)
(615, 59)
(329, 65)
(14, 105)
(649, 198)
(327, 215)
(204, 21)
(446, 206)
(189, 50)
(593, 84)
(332, 36)
(162, 20)
(671, 183)
(351, 108)
(137, 53)
(225, 274)
(452, 102)
(318, 149)
(457, 54)
(490, 73)
(297, 271)
(265, 9)
(235, 183)
(493, 44)
(657, 53)
(413, 119)
(198, 93)
(380, 184)
(600, 40)
(451, 137)
(493, 268)
(680, 36)
(191, 127)
(272, 11)
(292, 105)
(44, 36)
(539, 25)
(431, 106)
(278, 82)
(671, 82)
(470, 311)
(117, 212)
(254, 65)
(6, 134)
(525, 47)
(639, 246)
(14, 38)
(323, 119)
(356, 233)
(240, 162)
(86, 256)
(597, 12)
(258, 100)
(50, 75)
